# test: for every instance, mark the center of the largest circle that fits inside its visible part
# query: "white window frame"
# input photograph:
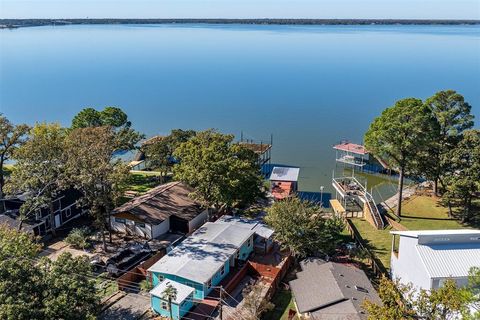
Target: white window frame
(68, 212)
(222, 270)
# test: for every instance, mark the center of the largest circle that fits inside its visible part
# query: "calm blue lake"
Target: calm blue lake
(309, 86)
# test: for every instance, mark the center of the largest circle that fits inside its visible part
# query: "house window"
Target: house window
(209, 284)
(38, 214)
(140, 224)
(250, 242)
(120, 220)
(161, 278)
(238, 254)
(164, 305)
(222, 270)
(68, 212)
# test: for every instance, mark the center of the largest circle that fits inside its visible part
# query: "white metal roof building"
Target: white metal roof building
(285, 174)
(202, 254)
(428, 258)
(257, 225)
(182, 291)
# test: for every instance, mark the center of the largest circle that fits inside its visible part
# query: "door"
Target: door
(57, 221)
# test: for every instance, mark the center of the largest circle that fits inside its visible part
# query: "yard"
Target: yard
(283, 301)
(419, 213)
(142, 182)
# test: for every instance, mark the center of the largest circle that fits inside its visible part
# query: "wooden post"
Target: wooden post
(220, 311)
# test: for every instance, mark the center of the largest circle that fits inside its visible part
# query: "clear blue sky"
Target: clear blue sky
(429, 9)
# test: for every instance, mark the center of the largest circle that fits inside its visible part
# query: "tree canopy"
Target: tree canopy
(11, 137)
(402, 301)
(160, 152)
(224, 174)
(399, 134)
(91, 169)
(303, 228)
(453, 116)
(39, 168)
(125, 137)
(32, 289)
(463, 179)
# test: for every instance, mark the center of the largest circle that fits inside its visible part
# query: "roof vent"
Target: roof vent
(361, 289)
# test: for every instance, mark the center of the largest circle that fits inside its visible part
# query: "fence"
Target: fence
(377, 267)
(138, 273)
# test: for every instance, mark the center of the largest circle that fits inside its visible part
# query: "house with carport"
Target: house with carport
(166, 208)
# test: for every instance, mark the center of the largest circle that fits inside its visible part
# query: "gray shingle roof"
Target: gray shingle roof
(327, 286)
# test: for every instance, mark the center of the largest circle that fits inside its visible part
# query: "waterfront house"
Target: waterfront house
(329, 290)
(165, 208)
(201, 262)
(283, 182)
(426, 259)
(40, 222)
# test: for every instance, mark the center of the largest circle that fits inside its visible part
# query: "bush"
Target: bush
(78, 238)
(146, 286)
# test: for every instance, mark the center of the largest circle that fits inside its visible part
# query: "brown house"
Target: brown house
(165, 208)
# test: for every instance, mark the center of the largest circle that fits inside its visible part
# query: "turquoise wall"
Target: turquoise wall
(201, 289)
(198, 294)
(177, 311)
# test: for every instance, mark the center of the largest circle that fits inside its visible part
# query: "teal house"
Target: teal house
(178, 306)
(199, 263)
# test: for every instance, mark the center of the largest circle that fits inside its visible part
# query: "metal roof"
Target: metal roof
(416, 233)
(183, 291)
(284, 174)
(257, 225)
(203, 253)
(351, 147)
(449, 260)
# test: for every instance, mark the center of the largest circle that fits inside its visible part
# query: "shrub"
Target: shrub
(78, 238)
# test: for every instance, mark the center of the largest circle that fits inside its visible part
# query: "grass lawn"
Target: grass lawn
(424, 213)
(378, 241)
(419, 213)
(140, 182)
(283, 301)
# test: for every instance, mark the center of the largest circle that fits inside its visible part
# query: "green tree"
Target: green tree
(453, 116)
(401, 301)
(92, 170)
(159, 150)
(169, 294)
(158, 155)
(32, 289)
(88, 117)
(39, 169)
(126, 138)
(399, 135)
(224, 174)
(303, 228)
(11, 137)
(396, 302)
(463, 182)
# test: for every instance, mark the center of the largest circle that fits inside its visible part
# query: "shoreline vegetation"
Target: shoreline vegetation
(19, 23)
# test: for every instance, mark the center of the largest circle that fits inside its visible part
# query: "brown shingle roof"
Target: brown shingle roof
(158, 204)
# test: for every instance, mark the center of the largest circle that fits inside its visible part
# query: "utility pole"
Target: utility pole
(220, 311)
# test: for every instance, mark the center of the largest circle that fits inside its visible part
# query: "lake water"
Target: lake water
(309, 86)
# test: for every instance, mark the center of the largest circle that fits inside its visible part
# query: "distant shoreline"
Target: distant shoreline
(19, 23)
